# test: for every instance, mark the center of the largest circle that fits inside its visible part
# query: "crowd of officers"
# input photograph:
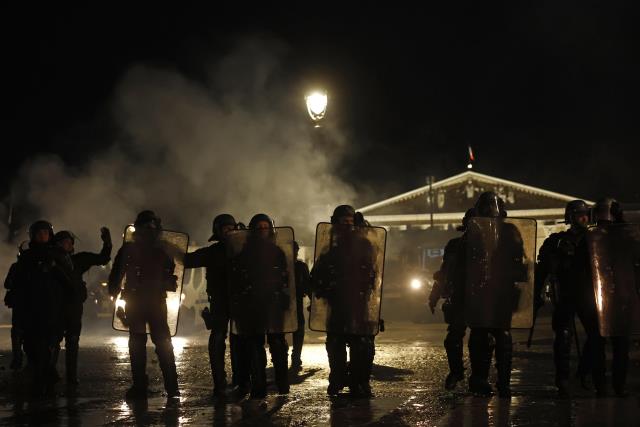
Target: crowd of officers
(244, 289)
(563, 275)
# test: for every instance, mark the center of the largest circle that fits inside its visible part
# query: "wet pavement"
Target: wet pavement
(410, 366)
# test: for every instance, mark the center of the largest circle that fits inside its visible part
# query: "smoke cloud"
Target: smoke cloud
(190, 150)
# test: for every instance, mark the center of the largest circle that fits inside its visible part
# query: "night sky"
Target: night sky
(546, 95)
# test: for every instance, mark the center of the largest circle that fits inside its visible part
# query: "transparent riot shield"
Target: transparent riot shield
(615, 266)
(262, 290)
(169, 250)
(500, 256)
(346, 279)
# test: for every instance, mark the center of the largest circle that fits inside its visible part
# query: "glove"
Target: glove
(105, 235)
(432, 305)
(83, 292)
(9, 299)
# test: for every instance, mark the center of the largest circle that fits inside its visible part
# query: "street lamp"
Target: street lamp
(316, 106)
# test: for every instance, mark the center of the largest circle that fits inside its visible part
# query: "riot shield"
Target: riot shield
(262, 290)
(346, 279)
(614, 252)
(500, 256)
(173, 245)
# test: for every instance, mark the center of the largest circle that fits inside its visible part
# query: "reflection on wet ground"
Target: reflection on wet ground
(409, 369)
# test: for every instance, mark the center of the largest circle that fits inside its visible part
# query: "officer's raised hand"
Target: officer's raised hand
(105, 235)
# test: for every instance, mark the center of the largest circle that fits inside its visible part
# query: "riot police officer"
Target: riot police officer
(506, 262)
(214, 258)
(608, 216)
(345, 278)
(302, 289)
(259, 295)
(82, 262)
(149, 274)
(43, 276)
(557, 266)
(12, 300)
(453, 306)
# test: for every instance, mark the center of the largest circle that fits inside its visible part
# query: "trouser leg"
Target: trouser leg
(279, 357)
(596, 344)
(479, 347)
(337, 355)
(620, 363)
(298, 341)
(504, 356)
(138, 358)
(480, 358)
(217, 349)
(362, 352)
(258, 365)
(161, 338)
(562, 323)
(17, 340)
(73, 329)
(453, 345)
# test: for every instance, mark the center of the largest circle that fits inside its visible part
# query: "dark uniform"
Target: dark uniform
(149, 274)
(453, 309)
(73, 305)
(509, 252)
(559, 264)
(12, 300)
(303, 282)
(351, 260)
(43, 275)
(214, 259)
(605, 213)
(259, 296)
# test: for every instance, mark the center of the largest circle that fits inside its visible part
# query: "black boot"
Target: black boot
(599, 367)
(216, 358)
(71, 359)
(54, 376)
(298, 340)
(562, 359)
(51, 376)
(167, 363)
(16, 348)
(139, 389)
(620, 365)
(453, 347)
(480, 358)
(138, 358)
(337, 355)
(504, 356)
(279, 357)
(369, 351)
(258, 367)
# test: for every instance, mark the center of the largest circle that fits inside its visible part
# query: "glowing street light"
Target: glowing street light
(316, 105)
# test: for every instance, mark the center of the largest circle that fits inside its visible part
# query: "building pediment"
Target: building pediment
(456, 194)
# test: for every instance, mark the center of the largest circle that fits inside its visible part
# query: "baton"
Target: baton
(533, 326)
(575, 333)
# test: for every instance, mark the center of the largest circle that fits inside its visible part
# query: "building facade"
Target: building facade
(420, 222)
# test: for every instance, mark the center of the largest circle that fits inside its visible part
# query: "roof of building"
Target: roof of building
(457, 193)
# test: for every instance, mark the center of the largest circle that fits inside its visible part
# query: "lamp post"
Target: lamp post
(316, 106)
